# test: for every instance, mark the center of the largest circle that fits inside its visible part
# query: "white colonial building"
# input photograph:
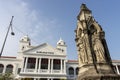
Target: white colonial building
(43, 62)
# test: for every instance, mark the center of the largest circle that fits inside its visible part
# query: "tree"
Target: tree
(6, 76)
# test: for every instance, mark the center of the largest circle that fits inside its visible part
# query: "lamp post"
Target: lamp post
(12, 33)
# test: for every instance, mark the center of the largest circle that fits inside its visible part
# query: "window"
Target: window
(9, 68)
(56, 64)
(44, 63)
(1, 68)
(31, 63)
(71, 71)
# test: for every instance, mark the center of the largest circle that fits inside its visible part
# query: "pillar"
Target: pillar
(117, 69)
(48, 79)
(4, 69)
(52, 65)
(51, 78)
(26, 60)
(23, 66)
(39, 67)
(48, 65)
(61, 66)
(74, 71)
(64, 66)
(34, 78)
(36, 65)
(16, 68)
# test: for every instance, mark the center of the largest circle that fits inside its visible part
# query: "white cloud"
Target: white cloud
(26, 22)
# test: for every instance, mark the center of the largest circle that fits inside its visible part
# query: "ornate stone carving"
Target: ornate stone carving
(94, 59)
(83, 47)
(99, 50)
(83, 53)
(97, 44)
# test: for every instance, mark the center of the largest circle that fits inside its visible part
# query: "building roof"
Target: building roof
(114, 61)
(72, 61)
(7, 57)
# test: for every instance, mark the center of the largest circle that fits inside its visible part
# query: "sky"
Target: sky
(46, 21)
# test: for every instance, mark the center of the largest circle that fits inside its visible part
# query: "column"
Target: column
(48, 79)
(74, 72)
(4, 69)
(65, 66)
(16, 68)
(61, 66)
(48, 65)
(36, 65)
(22, 70)
(51, 78)
(26, 60)
(117, 69)
(52, 65)
(39, 67)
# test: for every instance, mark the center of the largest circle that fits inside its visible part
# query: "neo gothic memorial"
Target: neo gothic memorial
(93, 55)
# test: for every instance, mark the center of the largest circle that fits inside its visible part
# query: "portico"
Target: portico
(44, 65)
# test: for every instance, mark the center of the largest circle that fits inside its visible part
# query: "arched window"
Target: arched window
(1, 68)
(9, 68)
(71, 71)
(77, 70)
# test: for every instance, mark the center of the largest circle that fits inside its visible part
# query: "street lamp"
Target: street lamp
(12, 33)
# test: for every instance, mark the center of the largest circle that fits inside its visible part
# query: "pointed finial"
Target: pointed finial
(61, 42)
(84, 7)
(60, 38)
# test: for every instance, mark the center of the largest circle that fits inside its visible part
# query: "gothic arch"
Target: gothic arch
(79, 25)
(79, 28)
(96, 26)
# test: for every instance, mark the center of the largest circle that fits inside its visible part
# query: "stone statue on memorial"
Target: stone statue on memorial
(97, 45)
(99, 51)
(93, 55)
(83, 53)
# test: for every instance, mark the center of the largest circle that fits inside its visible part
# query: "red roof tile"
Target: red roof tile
(72, 60)
(7, 57)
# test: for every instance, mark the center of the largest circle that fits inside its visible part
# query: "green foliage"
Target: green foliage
(6, 76)
(63, 79)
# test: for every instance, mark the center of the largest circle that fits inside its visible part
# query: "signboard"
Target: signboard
(43, 52)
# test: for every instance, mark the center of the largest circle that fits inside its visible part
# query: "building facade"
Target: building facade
(43, 62)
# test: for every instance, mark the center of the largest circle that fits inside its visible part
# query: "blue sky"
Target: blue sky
(48, 20)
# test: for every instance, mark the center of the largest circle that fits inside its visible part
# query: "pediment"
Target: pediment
(44, 49)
